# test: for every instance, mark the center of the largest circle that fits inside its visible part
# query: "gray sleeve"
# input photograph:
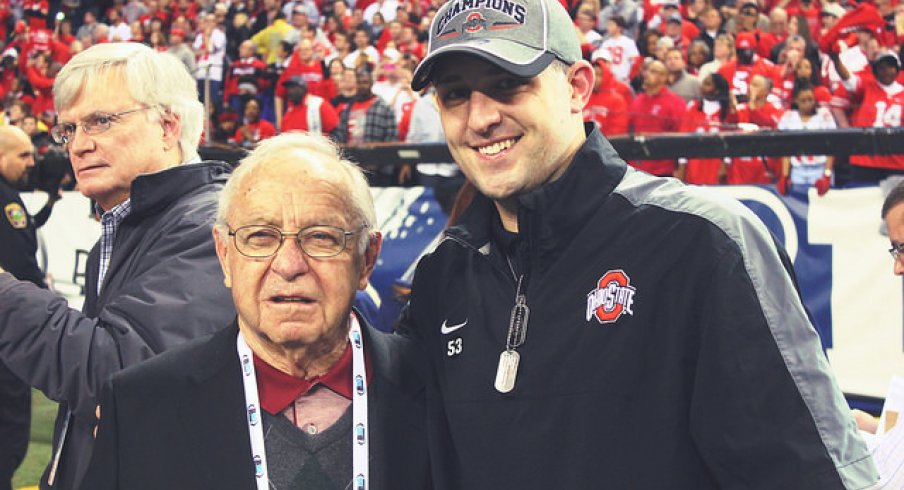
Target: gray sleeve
(176, 294)
(766, 410)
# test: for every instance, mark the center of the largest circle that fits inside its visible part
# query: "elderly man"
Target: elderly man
(298, 392)
(589, 325)
(131, 121)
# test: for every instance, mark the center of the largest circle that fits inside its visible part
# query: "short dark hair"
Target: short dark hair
(619, 21)
(895, 197)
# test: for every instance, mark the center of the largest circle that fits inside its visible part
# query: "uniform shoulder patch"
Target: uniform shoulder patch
(16, 215)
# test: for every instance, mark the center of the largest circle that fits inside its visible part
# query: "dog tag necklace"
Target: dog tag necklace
(509, 359)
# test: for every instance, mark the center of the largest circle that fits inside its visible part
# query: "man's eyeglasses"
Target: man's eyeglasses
(896, 250)
(262, 241)
(94, 124)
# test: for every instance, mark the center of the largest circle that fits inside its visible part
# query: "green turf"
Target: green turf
(43, 413)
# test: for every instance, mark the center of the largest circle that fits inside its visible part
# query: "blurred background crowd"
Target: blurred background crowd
(343, 67)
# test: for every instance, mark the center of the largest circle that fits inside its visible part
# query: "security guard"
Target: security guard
(18, 244)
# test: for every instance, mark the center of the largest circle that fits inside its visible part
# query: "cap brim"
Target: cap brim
(515, 58)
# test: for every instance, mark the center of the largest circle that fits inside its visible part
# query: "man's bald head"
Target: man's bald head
(16, 155)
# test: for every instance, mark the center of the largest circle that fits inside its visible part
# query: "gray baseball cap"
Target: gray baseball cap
(520, 36)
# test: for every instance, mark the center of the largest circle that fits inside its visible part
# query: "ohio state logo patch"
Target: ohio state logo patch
(474, 23)
(612, 298)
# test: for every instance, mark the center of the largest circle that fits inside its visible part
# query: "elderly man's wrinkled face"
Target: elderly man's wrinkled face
(291, 300)
(135, 141)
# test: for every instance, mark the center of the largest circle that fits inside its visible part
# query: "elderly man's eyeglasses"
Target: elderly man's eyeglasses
(896, 250)
(94, 124)
(262, 241)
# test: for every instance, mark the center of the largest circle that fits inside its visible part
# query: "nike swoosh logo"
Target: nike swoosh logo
(447, 329)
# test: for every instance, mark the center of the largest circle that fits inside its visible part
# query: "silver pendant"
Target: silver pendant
(507, 371)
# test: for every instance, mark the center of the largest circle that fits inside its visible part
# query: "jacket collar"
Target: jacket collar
(220, 351)
(151, 192)
(552, 214)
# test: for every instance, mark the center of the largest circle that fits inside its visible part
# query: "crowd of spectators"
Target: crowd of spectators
(343, 68)
(714, 66)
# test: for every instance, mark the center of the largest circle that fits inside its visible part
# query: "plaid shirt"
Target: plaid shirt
(379, 124)
(110, 223)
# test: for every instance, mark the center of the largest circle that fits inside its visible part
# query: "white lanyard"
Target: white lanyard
(360, 473)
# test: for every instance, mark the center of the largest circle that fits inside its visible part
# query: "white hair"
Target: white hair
(308, 150)
(152, 78)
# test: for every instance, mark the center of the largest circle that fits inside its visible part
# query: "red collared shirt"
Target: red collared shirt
(303, 401)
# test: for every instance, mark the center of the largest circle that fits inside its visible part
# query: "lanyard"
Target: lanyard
(360, 473)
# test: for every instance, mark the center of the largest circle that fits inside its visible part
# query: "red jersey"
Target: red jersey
(405, 121)
(244, 70)
(296, 117)
(880, 107)
(146, 19)
(704, 171)
(36, 13)
(5, 14)
(260, 130)
(413, 48)
(653, 114)
(42, 86)
(739, 76)
(7, 75)
(40, 40)
(312, 72)
(755, 169)
(768, 41)
(786, 91)
(609, 110)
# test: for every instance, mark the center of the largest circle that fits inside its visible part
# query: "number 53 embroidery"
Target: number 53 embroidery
(453, 347)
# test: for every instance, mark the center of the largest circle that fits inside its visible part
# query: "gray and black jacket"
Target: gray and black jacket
(163, 287)
(666, 347)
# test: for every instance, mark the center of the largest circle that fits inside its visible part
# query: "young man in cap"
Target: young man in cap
(589, 325)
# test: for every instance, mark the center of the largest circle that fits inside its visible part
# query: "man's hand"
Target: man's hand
(865, 421)
(406, 174)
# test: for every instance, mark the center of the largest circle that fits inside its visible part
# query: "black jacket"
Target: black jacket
(18, 239)
(178, 421)
(666, 346)
(164, 286)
